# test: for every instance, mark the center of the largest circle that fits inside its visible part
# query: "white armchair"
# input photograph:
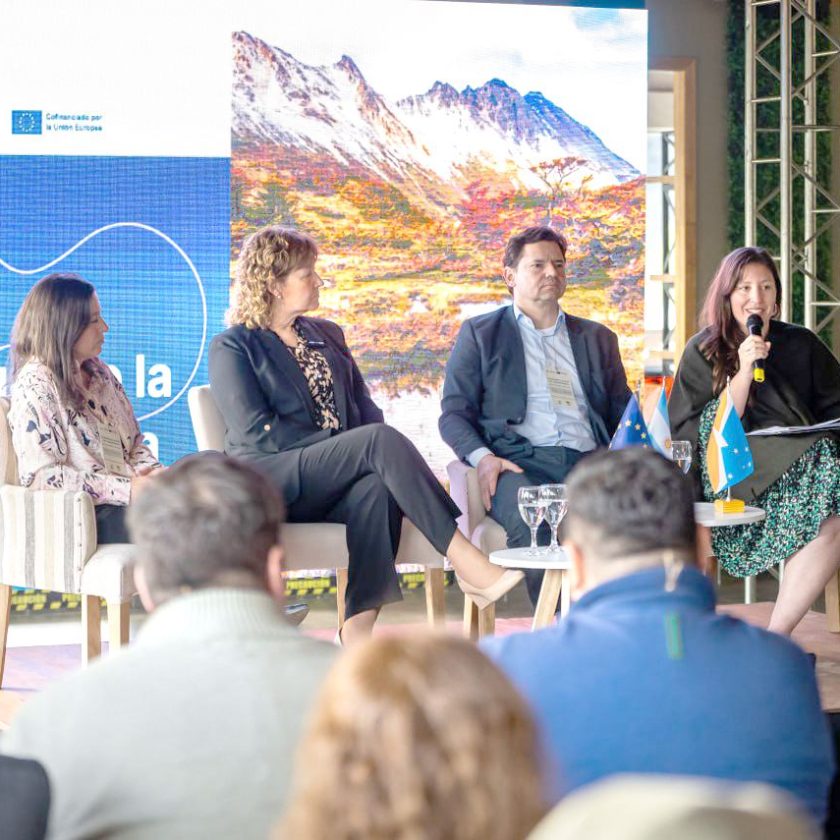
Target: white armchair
(481, 531)
(48, 541)
(475, 524)
(322, 545)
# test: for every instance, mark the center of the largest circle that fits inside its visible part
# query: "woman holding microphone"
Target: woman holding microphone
(797, 477)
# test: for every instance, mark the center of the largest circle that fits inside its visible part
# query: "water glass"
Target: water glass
(681, 454)
(554, 498)
(532, 510)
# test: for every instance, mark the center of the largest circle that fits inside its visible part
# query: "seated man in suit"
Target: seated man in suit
(191, 731)
(643, 676)
(530, 389)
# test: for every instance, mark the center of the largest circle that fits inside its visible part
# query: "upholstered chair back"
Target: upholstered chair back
(208, 423)
(8, 461)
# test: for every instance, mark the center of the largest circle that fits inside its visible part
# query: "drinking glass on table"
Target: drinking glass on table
(532, 510)
(554, 497)
(681, 454)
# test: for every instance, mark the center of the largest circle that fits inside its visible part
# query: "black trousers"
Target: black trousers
(547, 465)
(368, 478)
(110, 524)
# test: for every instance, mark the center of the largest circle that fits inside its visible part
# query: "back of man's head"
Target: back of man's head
(208, 520)
(630, 503)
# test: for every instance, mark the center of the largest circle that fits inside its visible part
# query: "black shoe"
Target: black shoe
(295, 613)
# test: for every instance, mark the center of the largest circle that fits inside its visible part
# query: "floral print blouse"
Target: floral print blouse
(58, 446)
(318, 375)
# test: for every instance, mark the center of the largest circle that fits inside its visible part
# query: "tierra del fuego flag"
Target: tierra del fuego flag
(728, 456)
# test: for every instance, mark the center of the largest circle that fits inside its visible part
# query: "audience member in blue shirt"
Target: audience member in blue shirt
(643, 676)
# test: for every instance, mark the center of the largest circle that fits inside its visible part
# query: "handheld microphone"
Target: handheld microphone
(755, 325)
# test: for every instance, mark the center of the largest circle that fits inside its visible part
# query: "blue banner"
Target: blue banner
(153, 236)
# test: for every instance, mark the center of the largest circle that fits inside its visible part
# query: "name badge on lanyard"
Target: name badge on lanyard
(112, 450)
(560, 388)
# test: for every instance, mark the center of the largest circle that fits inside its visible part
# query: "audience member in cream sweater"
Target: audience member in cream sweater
(190, 732)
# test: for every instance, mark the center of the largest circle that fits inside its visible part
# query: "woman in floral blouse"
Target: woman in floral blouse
(73, 427)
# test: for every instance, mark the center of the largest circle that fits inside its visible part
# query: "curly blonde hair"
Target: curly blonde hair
(416, 739)
(270, 254)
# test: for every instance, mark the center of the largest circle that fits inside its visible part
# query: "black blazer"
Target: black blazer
(265, 399)
(486, 389)
(802, 387)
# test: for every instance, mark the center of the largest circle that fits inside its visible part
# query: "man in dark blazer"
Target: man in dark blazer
(529, 389)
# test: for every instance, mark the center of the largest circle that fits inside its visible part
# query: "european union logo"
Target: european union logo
(26, 122)
(631, 430)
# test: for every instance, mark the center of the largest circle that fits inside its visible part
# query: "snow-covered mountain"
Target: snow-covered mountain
(332, 110)
(436, 137)
(496, 124)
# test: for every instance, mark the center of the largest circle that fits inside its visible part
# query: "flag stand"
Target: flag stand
(729, 505)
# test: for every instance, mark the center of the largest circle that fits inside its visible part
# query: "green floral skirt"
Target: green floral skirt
(796, 505)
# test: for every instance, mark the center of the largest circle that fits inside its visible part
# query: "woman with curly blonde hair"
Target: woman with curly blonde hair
(295, 405)
(420, 738)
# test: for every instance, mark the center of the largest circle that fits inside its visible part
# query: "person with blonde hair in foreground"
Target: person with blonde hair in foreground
(416, 738)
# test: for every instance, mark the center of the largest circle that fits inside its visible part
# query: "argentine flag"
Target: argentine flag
(631, 430)
(728, 456)
(659, 427)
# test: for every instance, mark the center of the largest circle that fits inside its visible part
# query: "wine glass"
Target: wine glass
(532, 510)
(681, 454)
(554, 497)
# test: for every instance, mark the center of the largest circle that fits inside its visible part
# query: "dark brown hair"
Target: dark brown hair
(207, 519)
(725, 335)
(516, 244)
(52, 317)
(629, 501)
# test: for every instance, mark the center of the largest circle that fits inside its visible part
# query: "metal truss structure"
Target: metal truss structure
(789, 203)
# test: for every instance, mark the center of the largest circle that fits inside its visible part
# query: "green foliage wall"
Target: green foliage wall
(767, 18)
(735, 134)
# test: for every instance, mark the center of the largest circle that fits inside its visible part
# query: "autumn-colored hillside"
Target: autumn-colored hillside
(406, 265)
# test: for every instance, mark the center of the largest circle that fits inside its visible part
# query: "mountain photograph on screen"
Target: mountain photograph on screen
(411, 199)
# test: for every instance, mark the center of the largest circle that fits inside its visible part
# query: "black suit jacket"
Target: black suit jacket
(486, 389)
(265, 399)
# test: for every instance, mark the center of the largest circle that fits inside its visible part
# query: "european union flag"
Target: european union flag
(631, 430)
(26, 122)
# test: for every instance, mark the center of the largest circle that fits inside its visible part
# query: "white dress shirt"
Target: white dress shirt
(547, 423)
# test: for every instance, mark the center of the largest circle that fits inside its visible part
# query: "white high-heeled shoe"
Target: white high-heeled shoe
(484, 596)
